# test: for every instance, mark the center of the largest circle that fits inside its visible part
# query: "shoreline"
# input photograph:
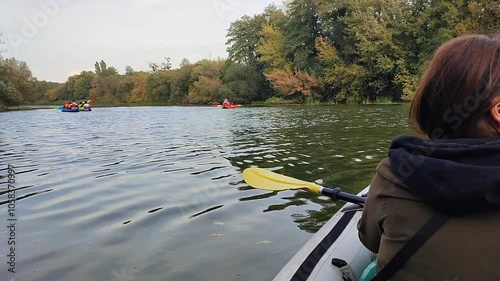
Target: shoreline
(36, 107)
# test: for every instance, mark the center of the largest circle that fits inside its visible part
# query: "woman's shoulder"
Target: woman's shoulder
(386, 184)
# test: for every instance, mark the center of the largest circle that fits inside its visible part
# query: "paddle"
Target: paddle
(267, 180)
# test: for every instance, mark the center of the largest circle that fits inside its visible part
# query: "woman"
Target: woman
(449, 182)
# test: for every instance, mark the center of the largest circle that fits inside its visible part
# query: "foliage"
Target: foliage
(271, 48)
(241, 84)
(16, 82)
(294, 83)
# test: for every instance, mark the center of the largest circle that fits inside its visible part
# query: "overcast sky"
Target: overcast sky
(59, 38)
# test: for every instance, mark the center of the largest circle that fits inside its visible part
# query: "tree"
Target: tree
(240, 83)
(159, 85)
(139, 92)
(294, 83)
(206, 77)
(271, 48)
(97, 68)
(155, 67)
(243, 39)
(301, 30)
(184, 62)
(83, 85)
(129, 70)
(370, 29)
(17, 82)
(181, 84)
(125, 88)
(483, 17)
(102, 70)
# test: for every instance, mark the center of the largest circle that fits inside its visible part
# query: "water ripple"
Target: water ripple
(139, 189)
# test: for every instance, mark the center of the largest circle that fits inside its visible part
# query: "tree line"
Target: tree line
(340, 51)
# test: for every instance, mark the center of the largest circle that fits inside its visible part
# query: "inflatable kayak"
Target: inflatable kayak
(334, 253)
(70, 109)
(85, 109)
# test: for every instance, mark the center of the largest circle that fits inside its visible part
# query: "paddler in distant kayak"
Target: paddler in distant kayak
(86, 106)
(449, 182)
(226, 103)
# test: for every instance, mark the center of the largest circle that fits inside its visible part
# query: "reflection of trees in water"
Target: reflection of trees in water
(315, 219)
(341, 146)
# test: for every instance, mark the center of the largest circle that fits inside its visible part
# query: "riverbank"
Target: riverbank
(25, 107)
(256, 104)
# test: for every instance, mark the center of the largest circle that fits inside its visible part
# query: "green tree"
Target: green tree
(17, 82)
(129, 70)
(125, 88)
(181, 84)
(241, 83)
(184, 62)
(83, 85)
(207, 81)
(243, 39)
(159, 85)
(301, 30)
(271, 48)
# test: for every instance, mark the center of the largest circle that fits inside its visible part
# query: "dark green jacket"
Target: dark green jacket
(467, 247)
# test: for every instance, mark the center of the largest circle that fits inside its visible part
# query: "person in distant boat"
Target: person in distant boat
(86, 106)
(450, 181)
(67, 104)
(227, 103)
(74, 104)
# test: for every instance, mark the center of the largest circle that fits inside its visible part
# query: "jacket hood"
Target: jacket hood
(457, 176)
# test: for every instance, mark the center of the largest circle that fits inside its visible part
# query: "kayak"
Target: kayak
(334, 253)
(70, 109)
(231, 106)
(227, 106)
(85, 109)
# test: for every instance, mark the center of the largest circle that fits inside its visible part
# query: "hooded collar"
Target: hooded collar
(457, 176)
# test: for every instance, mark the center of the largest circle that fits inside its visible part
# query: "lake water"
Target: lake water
(156, 193)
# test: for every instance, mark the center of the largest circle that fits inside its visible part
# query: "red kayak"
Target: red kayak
(227, 106)
(231, 106)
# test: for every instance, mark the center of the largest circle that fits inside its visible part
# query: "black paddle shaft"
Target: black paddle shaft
(337, 194)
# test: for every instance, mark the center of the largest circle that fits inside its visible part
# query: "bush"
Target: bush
(9, 95)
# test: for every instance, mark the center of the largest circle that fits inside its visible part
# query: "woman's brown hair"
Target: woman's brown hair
(458, 88)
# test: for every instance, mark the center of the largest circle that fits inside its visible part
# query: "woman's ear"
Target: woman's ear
(495, 111)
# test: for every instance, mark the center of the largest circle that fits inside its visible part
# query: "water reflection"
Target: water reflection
(340, 146)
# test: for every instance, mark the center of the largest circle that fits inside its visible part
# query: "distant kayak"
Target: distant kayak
(231, 106)
(85, 109)
(70, 109)
(227, 106)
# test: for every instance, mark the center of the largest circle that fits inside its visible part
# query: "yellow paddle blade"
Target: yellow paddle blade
(267, 180)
